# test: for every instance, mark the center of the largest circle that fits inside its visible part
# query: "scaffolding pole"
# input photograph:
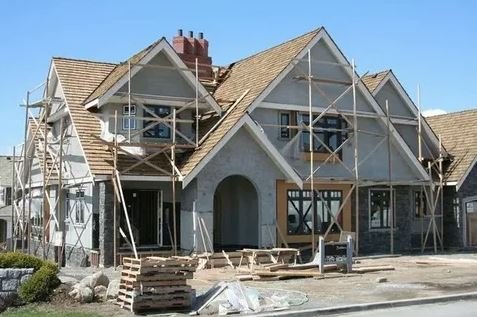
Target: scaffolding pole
(312, 170)
(356, 161)
(391, 196)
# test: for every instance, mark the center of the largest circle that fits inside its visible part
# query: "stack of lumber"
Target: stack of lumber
(286, 271)
(219, 259)
(156, 283)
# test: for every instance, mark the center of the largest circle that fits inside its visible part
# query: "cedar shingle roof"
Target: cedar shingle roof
(117, 73)
(255, 74)
(78, 79)
(459, 136)
(372, 81)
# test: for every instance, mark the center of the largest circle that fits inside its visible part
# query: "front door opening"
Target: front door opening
(145, 213)
(235, 214)
(471, 213)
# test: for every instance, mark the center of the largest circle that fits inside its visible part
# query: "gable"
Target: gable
(143, 62)
(293, 88)
(397, 105)
(160, 81)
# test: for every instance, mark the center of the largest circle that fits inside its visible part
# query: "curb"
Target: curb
(371, 306)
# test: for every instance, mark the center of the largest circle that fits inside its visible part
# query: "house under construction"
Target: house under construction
(168, 153)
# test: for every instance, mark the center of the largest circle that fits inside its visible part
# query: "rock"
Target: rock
(87, 281)
(74, 293)
(25, 278)
(381, 280)
(85, 295)
(82, 293)
(98, 279)
(3, 305)
(113, 289)
(68, 280)
(10, 285)
(3, 273)
(100, 292)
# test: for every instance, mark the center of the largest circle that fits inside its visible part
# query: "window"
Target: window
(379, 208)
(69, 197)
(456, 210)
(299, 215)
(160, 130)
(284, 121)
(328, 129)
(129, 123)
(79, 207)
(420, 204)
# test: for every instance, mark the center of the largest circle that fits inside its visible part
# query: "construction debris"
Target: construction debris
(368, 269)
(233, 297)
(156, 283)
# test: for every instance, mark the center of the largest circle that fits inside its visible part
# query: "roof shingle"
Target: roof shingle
(459, 136)
(255, 74)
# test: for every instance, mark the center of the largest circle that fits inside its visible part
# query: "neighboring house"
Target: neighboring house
(6, 178)
(459, 136)
(248, 180)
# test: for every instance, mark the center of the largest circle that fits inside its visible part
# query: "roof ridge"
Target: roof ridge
(277, 45)
(373, 75)
(454, 113)
(81, 60)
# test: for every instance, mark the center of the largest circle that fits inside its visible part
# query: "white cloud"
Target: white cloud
(433, 112)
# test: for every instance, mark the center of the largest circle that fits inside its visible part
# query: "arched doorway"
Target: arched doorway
(235, 214)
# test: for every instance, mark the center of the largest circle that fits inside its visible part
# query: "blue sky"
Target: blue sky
(430, 43)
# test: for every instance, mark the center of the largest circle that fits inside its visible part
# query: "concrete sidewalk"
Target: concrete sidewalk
(372, 306)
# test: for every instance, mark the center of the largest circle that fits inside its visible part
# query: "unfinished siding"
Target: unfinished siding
(378, 241)
(240, 156)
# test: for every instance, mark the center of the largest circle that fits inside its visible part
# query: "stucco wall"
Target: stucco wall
(240, 156)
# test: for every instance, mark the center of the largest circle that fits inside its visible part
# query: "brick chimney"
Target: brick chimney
(189, 48)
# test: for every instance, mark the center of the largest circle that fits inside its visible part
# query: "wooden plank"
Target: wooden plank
(288, 273)
(131, 283)
(152, 290)
(367, 269)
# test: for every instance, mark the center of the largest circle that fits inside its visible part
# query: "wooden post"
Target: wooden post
(321, 254)
(22, 177)
(391, 198)
(356, 162)
(173, 178)
(113, 180)
(441, 186)
(13, 194)
(59, 205)
(310, 127)
(45, 166)
(196, 102)
(349, 254)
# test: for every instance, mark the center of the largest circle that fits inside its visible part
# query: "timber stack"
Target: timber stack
(156, 283)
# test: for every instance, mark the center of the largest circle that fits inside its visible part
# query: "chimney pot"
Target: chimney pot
(179, 32)
(191, 34)
(201, 35)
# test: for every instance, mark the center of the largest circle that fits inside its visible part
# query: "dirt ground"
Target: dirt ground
(448, 274)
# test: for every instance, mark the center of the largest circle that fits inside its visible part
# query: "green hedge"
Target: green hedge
(44, 280)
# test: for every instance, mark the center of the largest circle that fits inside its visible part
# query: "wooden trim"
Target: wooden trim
(281, 212)
(320, 157)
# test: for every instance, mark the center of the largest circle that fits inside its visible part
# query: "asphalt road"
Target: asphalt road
(450, 309)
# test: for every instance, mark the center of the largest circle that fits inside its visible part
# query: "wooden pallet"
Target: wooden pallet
(134, 283)
(155, 289)
(177, 304)
(156, 283)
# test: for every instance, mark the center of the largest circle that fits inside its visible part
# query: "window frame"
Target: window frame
(129, 123)
(421, 213)
(284, 132)
(156, 129)
(326, 135)
(79, 218)
(325, 196)
(371, 228)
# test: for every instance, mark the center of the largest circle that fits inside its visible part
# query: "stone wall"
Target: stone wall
(10, 281)
(377, 241)
(106, 227)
